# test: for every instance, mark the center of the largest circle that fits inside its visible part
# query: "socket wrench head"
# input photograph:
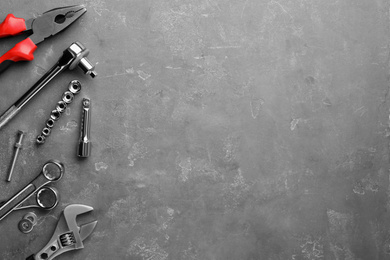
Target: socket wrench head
(81, 53)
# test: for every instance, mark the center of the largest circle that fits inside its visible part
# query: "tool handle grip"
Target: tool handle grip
(21, 51)
(12, 26)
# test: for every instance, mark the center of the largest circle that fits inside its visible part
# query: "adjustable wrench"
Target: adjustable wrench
(67, 235)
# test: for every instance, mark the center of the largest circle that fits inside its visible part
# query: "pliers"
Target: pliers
(42, 27)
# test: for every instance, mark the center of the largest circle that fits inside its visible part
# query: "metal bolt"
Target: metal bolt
(18, 146)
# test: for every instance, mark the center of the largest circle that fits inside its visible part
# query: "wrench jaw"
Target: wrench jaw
(68, 235)
(70, 214)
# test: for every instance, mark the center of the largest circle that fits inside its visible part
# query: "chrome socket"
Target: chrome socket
(55, 114)
(74, 87)
(67, 97)
(61, 106)
(41, 139)
(50, 123)
(46, 131)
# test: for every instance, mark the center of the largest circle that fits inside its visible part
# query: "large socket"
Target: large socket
(74, 87)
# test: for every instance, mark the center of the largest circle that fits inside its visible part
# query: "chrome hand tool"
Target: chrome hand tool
(48, 24)
(75, 55)
(67, 235)
(18, 146)
(45, 197)
(74, 87)
(84, 146)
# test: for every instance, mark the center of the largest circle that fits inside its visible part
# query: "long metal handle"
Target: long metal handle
(39, 85)
(33, 91)
(23, 195)
(63, 63)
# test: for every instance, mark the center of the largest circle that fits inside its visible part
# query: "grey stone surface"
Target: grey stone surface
(222, 129)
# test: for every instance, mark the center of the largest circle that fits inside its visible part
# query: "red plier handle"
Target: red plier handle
(21, 51)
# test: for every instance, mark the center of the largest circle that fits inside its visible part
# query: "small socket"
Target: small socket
(67, 97)
(55, 114)
(74, 86)
(50, 123)
(61, 106)
(40, 139)
(46, 131)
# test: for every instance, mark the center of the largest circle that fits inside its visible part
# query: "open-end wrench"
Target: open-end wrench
(74, 55)
(67, 235)
(52, 171)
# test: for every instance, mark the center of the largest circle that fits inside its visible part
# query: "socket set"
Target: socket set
(74, 87)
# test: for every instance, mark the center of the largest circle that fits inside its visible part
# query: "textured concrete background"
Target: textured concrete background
(222, 129)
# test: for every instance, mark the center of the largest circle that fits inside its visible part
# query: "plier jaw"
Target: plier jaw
(54, 21)
(42, 27)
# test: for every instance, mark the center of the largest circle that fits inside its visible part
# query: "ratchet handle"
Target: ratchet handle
(12, 26)
(21, 51)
